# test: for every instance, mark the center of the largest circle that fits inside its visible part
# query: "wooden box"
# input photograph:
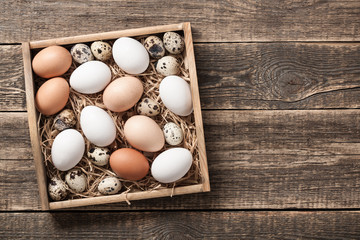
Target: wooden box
(33, 117)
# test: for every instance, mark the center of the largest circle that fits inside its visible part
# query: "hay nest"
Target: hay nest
(95, 174)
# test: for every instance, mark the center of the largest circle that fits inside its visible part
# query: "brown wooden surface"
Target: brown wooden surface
(279, 87)
(182, 225)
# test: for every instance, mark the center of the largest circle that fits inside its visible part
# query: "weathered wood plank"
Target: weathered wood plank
(14, 140)
(181, 225)
(12, 88)
(257, 159)
(279, 75)
(213, 21)
(245, 76)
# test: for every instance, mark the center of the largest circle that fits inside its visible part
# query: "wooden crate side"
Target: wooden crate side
(127, 197)
(190, 56)
(106, 35)
(34, 133)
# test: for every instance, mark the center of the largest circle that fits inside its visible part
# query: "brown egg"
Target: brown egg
(52, 96)
(129, 164)
(122, 93)
(144, 133)
(51, 62)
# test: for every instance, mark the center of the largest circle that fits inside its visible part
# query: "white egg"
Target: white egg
(98, 126)
(130, 55)
(67, 149)
(90, 77)
(175, 93)
(171, 165)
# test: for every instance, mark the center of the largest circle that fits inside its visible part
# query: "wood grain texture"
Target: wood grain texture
(245, 76)
(257, 159)
(278, 75)
(181, 225)
(12, 90)
(33, 118)
(213, 21)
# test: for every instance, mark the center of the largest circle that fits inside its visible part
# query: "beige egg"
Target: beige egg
(154, 46)
(57, 189)
(173, 42)
(76, 180)
(168, 65)
(81, 53)
(144, 133)
(64, 120)
(122, 93)
(101, 50)
(148, 107)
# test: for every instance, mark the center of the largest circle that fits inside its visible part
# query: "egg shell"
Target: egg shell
(130, 55)
(52, 96)
(122, 93)
(90, 77)
(129, 164)
(171, 165)
(168, 65)
(67, 149)
(99, 156)
(57, 189)
(173, 133)
(144, 133)
(173, 42)
(97, 126)
(175, 93)
(109, 185)
(101, 50)
(64, 120)
(154, 46)
(76, 180)
(51, 62)
(81, 53)
(148, 107)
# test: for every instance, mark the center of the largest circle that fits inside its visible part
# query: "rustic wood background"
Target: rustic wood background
(279, 85)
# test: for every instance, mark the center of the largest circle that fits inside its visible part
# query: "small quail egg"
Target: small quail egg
(99, 156)
(173, 42)
(101, 50)
(148, 107)
(57, 189)
(81, 53)
(154, 46)
(64, 120)
(173, 133)
(109, 185)
(167, 66)
(76, 180)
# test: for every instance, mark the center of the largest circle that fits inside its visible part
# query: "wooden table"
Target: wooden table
(280, 91)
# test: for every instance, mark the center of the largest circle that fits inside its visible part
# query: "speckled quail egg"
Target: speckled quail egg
(81, 53)
(101, 50)
(109, 185)
(57, 189)
(64, 120)
(154, 46)
(168, 65)
(173, 133)
(76, 180)
(173, 42)
(99, 156)
(148, 107)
